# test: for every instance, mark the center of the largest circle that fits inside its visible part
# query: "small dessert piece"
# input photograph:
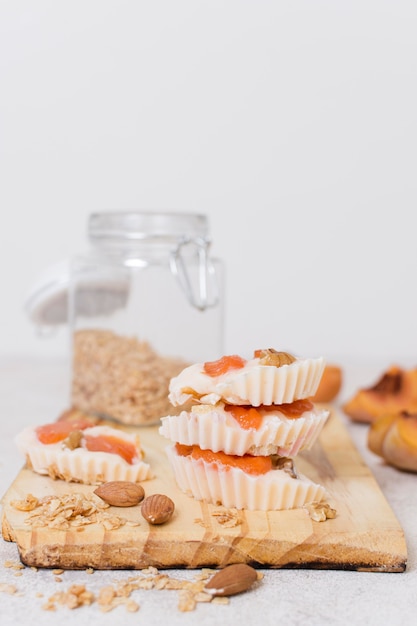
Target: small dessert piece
(263, 483)
(330, 384)
(394, 438)
(395, 391)
(75, 451)
(284, 429)
(271, 377)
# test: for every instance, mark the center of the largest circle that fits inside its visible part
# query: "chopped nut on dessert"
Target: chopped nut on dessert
(273, 357)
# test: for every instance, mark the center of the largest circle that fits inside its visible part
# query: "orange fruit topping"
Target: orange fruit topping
(246, 416)
(58, 431)
(292, 410)
(109, 443)
(223, 365)
(255, 465)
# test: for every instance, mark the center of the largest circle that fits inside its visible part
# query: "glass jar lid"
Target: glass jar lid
(145, 225)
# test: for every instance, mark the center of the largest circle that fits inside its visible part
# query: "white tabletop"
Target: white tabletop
(35, 391)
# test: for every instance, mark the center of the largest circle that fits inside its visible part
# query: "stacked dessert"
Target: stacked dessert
(247, 420)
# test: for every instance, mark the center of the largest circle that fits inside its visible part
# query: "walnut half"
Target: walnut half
(273, 357)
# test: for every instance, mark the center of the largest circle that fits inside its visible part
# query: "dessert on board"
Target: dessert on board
(80, 449)
(248, 419)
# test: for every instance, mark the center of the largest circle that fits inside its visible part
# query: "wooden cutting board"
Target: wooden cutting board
(365, 535)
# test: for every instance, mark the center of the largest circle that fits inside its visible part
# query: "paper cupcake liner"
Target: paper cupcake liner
(214, 429)
(233, 488)
(253, 384)
(78, 465)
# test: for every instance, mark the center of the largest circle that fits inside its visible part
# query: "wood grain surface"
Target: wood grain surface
(365, 534)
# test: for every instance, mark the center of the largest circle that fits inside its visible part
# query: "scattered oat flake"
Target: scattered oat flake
(28, 504)
(132, 606)
(220, 600)
(7, 588)
(228, 518)
(200, 522)
(186, 601)
(13, 564)
(75, 510)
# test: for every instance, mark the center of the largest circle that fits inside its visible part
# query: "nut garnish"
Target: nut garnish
(273, 357)
(231, 580)
(73, 440)
(157, 509)
(286, 464)
(120, 493)
(320, 511)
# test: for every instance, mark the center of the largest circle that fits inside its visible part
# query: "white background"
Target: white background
(291, 124)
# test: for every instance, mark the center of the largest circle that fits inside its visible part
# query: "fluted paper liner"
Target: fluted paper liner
(232, 487)
(253, 384)
(214, 429)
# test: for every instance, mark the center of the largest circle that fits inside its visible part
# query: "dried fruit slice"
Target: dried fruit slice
(254, 465)
(223, 365)
(111, 444)
(58, 431)
(395, 391)
(394, 438)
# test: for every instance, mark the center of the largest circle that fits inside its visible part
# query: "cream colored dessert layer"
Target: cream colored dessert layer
(252, 384)
(82, 465)
(232, 487)
(213, 428)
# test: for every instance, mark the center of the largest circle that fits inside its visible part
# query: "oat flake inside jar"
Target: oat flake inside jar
(143, 303)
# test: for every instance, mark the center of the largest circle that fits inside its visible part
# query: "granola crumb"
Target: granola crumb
(228, 518)
(132, 606)
(70, 511)
(320, 511)
(121, 377)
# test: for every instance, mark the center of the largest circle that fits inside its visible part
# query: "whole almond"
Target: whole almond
(157, 509)
(120, 493)
(231, 580)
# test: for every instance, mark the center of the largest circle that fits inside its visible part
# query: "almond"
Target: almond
(157, 509)
(231, 580)
(120, 493)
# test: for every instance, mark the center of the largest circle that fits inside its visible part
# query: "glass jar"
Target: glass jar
(142, 304)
